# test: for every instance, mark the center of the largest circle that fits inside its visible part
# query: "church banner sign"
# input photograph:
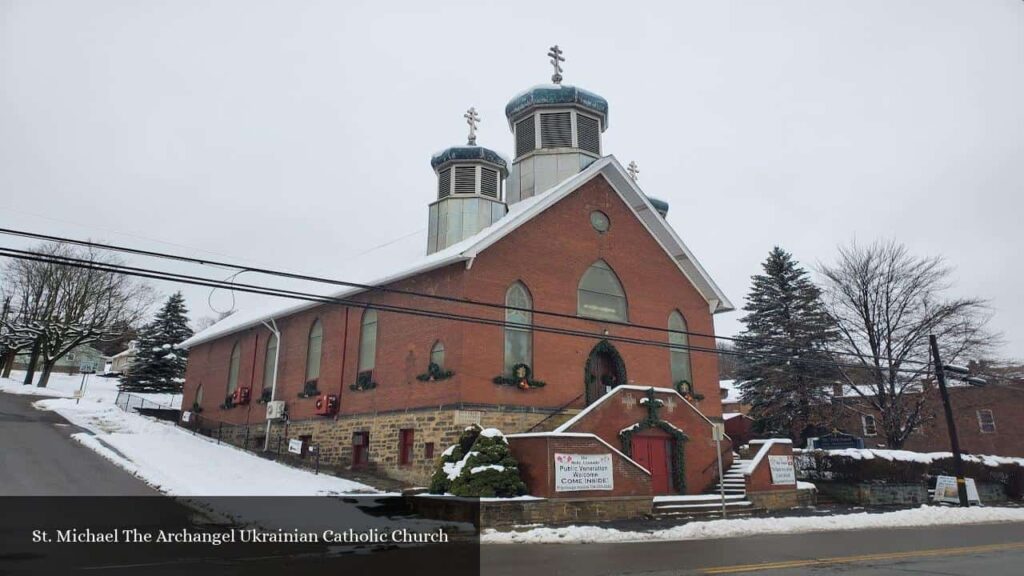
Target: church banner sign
(578, 472)
(946, 491)
(782, 469)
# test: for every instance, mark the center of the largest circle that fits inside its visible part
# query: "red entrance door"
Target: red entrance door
(655, 454)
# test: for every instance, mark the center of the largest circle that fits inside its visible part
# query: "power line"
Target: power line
(371, 287)
(310, 297)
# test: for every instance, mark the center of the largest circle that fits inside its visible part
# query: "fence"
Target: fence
(130, 402)
(252, 438)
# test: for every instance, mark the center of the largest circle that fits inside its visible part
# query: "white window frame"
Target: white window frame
(864, 425)
(981, 423)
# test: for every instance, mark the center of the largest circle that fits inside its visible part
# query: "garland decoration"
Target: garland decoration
(653, 420)
(435, 373)
(522, 378)
(364, 381)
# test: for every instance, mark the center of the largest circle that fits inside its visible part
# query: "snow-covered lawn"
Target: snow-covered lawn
(169, 458)
(65, 386)
(924, 516)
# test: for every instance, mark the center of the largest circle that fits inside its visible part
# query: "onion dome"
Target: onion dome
(469, 190)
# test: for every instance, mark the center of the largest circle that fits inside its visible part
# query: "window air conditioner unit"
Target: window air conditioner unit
(275, 410)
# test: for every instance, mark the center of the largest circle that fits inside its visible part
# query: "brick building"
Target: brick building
(563, 228)
(987, 420)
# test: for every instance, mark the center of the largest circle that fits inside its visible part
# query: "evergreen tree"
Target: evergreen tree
(159, 365)
(783, 364)
(480, 465)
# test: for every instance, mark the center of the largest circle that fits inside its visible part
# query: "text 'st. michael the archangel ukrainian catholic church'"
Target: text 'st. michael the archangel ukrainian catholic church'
(589, 338)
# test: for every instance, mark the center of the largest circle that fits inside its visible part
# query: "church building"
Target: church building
(552, 297)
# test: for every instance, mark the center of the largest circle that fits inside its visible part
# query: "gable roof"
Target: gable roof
(518, 214)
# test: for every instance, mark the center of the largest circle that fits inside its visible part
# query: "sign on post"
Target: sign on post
(782, 469)
(186, 416)
(295, 446)
(577, 472)
(946, 491)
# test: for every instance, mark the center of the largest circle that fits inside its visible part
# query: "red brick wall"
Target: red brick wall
(1005, 403)
(623, 409)
(549, 254)
(536, 455)
(760, 480)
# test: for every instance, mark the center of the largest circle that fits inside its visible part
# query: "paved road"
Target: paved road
(986, 549)
(39, 458)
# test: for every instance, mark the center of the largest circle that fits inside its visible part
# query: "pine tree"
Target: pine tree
(159, 365)
(783, 365)
(480, 465)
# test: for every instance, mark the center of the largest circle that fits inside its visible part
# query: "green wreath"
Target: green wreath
(685, 389)
(522, 378)
(435, 373)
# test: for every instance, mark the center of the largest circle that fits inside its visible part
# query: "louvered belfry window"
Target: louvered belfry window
(489, 182)
(525, 141)
(444, 183)
(465, 179)
(588, 133)
(556, 130)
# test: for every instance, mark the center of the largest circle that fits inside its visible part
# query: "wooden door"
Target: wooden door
(655, 454)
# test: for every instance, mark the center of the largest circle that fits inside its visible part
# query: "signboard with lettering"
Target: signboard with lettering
(782, 469)
(295, 446)
(837, 441)
(186, 416)
(946, 491)
(576, 472)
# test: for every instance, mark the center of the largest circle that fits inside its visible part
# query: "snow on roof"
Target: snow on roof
(731, 415)
(568, 424)
(410, 264)
(732, 390)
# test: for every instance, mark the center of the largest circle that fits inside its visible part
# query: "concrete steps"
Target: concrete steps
(711, 503)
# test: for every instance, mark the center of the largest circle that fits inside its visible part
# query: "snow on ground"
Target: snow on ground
(921, 457)
(924, 516)
(65, 385)
(168, 457)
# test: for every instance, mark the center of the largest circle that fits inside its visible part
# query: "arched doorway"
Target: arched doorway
(604, 370)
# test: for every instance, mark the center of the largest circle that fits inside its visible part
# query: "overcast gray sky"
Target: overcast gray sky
(298, 134)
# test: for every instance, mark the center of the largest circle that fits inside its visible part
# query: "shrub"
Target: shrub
(821, 465)
(480, 465)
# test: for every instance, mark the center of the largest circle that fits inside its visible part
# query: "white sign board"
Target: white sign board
(576, 472)
(295, 446)
(946, 491)
(186, 416)
(782, 469)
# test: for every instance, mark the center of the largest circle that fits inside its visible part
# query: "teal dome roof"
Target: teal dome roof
(554, 95)
(469, 152)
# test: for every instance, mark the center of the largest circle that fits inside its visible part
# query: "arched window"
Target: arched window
(236, 358)
(600, 294)
(314, 347)
(270, 362)
(518, 333)
(437, 354)
(368, 341)
(198, 402)
(679, 354)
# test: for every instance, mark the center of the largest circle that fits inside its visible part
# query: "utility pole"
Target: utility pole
(958, 463)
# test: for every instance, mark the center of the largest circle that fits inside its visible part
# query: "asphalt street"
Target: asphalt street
(38, 457)
(984, 549)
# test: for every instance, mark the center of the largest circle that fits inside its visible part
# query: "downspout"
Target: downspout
(277, 368)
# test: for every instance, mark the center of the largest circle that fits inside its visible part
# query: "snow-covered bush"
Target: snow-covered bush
(480, 465)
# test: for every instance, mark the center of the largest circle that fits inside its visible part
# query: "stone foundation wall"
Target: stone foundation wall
(333, 436)
(775, 500)
(495, 514)
(876, 494)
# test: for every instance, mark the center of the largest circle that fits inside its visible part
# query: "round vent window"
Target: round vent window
(599, 220)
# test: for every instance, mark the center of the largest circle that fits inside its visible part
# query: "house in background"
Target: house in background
(81, 358)
(121, 363)
(729, 390)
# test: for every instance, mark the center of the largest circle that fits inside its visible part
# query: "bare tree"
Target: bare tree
(885, 302)
(71, 305)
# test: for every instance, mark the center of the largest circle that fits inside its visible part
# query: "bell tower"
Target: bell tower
(557, 131)
(470, 183)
